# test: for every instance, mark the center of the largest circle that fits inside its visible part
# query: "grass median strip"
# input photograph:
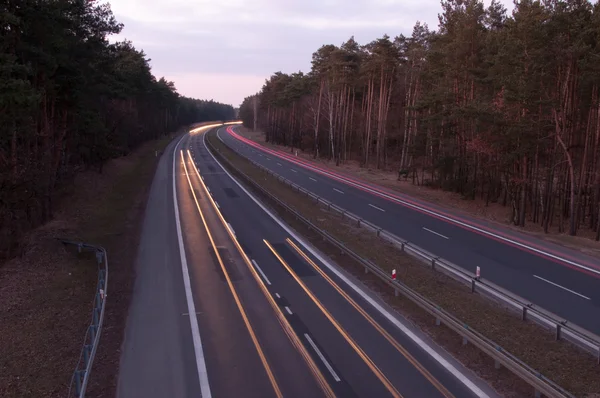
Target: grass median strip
(565, 364)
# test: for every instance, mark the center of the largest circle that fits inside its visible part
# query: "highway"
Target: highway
(556, 278)
(229, 302)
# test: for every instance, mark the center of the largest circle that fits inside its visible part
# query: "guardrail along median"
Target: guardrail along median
(83, 369)
(540, 383)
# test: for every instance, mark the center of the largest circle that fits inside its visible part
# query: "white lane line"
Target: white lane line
(312, 179)
(327, 365)
(562, 287)
(375, 207)
(289, 311)
(196, 341)
(262, 274)
(463, 378)
(278, 164)
(294, 170)
(433, 232)
(278, 296)
(231, 228)
(337, 190)
(218, 207)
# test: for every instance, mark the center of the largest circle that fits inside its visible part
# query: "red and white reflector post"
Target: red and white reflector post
(477, 272)
(393, 274)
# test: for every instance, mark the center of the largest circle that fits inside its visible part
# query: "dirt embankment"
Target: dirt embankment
(563, 363)
(493, 212)
(46, 294)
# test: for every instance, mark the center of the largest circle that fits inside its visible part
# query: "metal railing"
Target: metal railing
(562, 328)
(81, 375)
(539, 382)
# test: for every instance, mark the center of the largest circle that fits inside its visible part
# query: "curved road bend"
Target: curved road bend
(360, 346)
(555, 285)
(167, 353)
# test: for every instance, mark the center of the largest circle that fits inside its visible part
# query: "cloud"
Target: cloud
(205, 46)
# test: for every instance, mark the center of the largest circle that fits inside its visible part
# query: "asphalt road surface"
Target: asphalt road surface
(558, 279)
(229, 303)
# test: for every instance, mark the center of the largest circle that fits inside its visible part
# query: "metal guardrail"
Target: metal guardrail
(539, 382)
(81, 375)
(562, 328)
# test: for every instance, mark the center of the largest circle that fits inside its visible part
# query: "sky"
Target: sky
(225, 49)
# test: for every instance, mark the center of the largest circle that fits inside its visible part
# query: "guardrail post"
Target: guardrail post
(96, 311)
(99, 256)
(433, 263)
(86, 354)
(358, 223)
(92, 332)
(472, 285)
(78, 383)
(558, 331)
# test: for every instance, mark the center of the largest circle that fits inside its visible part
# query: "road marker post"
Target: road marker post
(478, 273)
(394, 278)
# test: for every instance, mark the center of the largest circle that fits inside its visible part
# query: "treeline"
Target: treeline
(505, 108)
(69, 100)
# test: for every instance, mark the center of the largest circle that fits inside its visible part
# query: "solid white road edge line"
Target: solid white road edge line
(562, 287)
(375, 207)
(388, 315)
(198, 351)
(322, 357)
(262, 273)
(436, 233)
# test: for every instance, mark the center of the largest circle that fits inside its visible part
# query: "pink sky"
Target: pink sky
(225, 49)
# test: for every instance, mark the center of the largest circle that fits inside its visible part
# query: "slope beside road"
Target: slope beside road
(558, 279)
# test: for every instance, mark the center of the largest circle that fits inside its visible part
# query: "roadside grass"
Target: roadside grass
(563, 363)
(46, 294)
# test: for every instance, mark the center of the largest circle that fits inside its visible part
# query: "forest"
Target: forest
(495, 106)
(69, 101)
